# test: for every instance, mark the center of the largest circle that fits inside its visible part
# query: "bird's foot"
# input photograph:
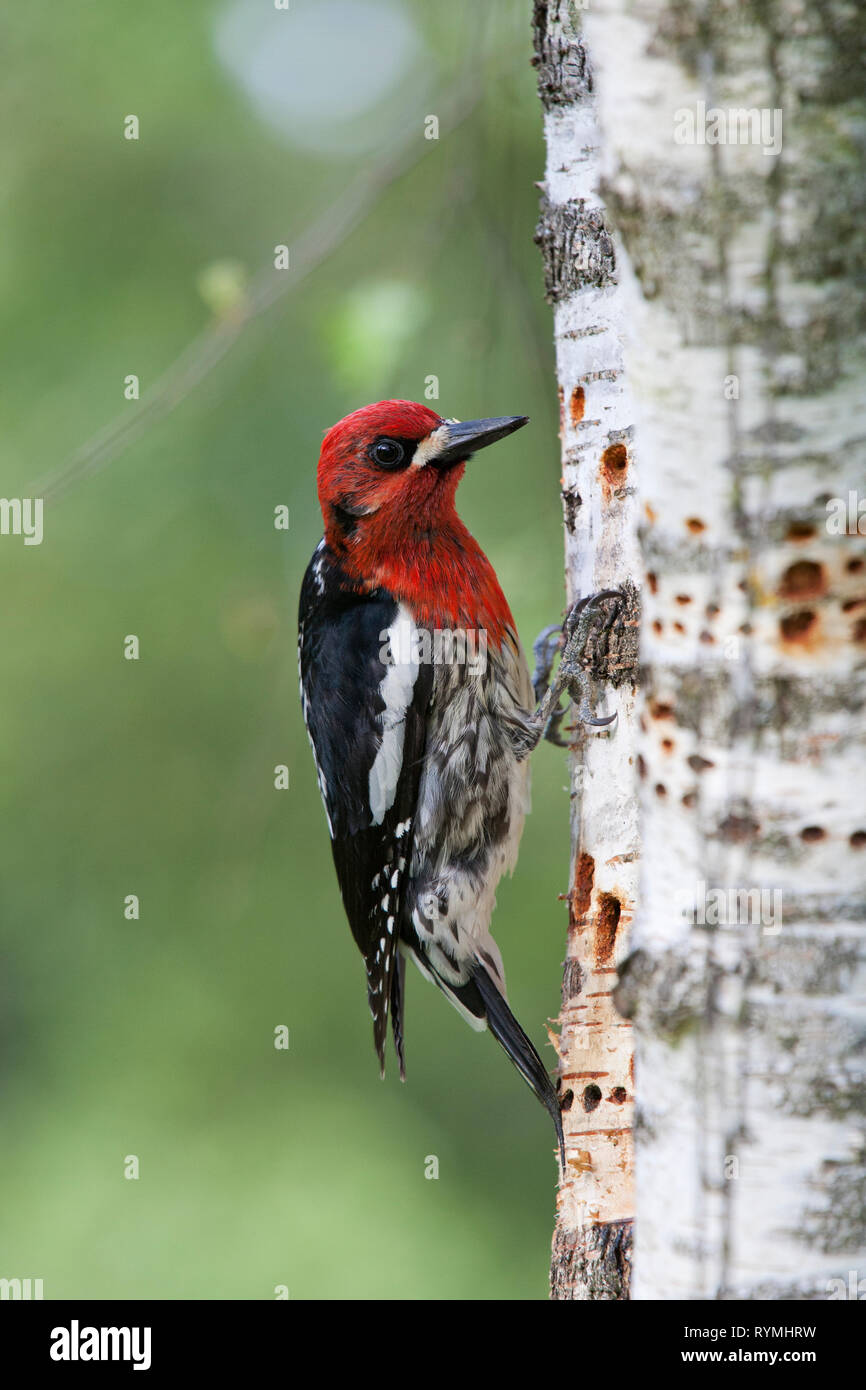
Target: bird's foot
(585, 619)
(545, 649)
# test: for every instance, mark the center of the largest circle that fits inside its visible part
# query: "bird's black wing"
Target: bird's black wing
(365, 703)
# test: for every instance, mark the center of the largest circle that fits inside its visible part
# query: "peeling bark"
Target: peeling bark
(592, 1243)
(597, 1261)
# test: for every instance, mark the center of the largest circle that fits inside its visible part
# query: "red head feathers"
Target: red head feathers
(387, 478)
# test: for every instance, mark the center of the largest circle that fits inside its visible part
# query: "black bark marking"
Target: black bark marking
(576, 248)
(592, 1264)
(564, 74)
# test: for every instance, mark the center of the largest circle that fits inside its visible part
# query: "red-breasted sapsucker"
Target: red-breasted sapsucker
(419, 706)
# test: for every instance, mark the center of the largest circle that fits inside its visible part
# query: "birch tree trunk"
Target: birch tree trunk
(592, 1243)
(734, 176)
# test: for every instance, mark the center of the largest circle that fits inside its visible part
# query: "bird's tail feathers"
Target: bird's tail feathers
(379, 988)
(398, 988)
(385, 989)
(509, 1034)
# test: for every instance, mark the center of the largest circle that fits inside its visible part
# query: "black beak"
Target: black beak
(467, 436)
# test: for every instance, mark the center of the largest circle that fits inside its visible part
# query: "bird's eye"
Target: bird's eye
(388, 453)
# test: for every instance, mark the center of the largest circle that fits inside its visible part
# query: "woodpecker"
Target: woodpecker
(419, 706)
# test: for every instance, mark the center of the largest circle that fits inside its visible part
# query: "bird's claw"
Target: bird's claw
(552, 730)
(544, 649)
(572, 676)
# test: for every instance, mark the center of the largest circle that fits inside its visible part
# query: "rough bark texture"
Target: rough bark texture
(596, 1260)
(592, 1243)
(743, 273)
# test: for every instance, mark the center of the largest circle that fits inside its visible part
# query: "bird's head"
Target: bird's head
(389, 472)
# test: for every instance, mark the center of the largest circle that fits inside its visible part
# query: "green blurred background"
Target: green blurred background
(154, 1037)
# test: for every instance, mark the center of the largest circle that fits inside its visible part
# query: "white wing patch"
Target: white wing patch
(396, 691)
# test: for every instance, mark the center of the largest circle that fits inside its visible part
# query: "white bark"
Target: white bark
(751, 1037)
(591, 1255)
